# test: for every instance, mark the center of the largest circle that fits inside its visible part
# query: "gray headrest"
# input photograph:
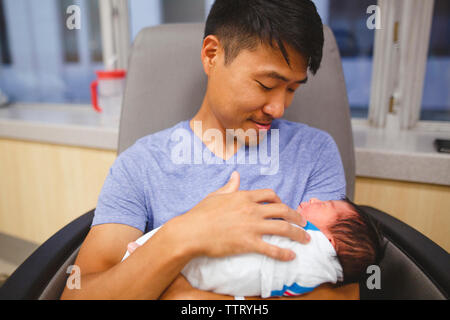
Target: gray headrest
(166, 84)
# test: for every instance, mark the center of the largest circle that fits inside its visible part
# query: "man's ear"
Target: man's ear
(210, 53)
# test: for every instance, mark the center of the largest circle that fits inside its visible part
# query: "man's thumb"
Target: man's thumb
(232, 185)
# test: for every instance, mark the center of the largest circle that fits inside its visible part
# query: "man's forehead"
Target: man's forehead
(275, 52)
(270, 62)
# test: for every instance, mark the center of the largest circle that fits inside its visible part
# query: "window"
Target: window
(95, 37)
(5, 56)
(347, 19)
(42, 60)
(145, 13)
(436, 96)
(69, 38)
(179, 11)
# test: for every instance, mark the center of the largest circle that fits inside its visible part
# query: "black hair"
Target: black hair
(240, 24)
(359, 242)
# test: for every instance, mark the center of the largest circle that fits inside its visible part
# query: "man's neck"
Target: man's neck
(208, 121)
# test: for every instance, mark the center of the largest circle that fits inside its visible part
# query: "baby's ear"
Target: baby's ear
(333, 243)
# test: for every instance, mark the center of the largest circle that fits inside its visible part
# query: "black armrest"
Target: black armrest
(30, 278)
(429, 257)
(418, 267)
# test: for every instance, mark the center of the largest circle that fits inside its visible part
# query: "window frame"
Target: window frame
(406, 27)
(116, 33)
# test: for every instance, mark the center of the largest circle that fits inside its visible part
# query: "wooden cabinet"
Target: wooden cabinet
(43, 187)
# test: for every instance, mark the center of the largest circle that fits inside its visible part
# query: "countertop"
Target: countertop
(386, 154)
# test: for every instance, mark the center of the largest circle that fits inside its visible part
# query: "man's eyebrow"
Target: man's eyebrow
(276, 75)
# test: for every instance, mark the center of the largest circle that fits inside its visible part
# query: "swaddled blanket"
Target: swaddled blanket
(257, 275)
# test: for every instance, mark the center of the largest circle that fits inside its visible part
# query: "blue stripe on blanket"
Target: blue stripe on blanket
(310, 226)
(293, 289)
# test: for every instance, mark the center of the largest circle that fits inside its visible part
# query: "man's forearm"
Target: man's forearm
(144, 275)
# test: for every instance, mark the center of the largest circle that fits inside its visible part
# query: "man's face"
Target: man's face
(254, 89)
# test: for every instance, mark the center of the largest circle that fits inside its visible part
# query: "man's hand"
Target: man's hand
(229, 222)
(226, 222)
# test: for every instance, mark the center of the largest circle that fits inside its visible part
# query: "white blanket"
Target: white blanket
(257, 275)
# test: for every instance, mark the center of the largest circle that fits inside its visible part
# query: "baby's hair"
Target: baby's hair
(359, 242)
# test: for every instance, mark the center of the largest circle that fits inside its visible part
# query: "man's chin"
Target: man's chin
(249, 134)
(252, 140)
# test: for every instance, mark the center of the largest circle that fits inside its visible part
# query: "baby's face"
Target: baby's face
(322, 214)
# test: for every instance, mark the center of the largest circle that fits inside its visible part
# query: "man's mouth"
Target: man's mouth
(264, 125)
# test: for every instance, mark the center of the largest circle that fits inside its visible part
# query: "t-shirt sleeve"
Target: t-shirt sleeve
(327, 179)
(122, 198)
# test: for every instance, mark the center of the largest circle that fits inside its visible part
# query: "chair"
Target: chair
(165, 85)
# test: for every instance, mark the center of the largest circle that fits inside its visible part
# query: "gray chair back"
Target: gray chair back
(55, 286)
(166, 84)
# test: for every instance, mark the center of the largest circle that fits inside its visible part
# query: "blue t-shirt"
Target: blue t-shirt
(167, 173)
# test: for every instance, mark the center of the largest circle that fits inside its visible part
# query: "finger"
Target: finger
(132, 246)
(263, 195)
(232, 185)
(284, 229)
(273, 251)
(283, 211)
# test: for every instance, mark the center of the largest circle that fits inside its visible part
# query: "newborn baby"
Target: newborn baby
(344, 242)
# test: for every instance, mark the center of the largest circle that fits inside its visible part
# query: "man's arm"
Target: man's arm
(327, 179)
(143, 276)
(203, 231)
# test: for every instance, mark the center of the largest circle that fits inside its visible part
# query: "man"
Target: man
(256, 54)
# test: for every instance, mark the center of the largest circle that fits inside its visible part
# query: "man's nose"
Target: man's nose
(275, 108)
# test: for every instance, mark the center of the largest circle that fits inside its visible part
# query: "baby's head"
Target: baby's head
(354, 235)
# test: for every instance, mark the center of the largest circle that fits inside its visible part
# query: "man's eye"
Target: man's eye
(264, 87)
